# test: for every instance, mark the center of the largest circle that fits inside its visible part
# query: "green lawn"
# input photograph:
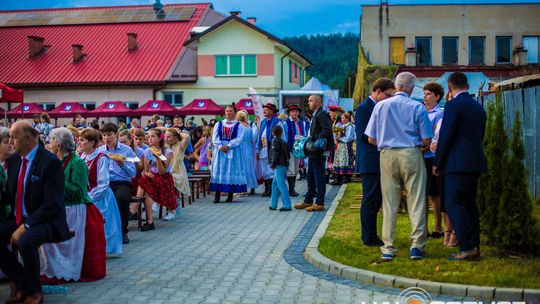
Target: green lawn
(342, 243)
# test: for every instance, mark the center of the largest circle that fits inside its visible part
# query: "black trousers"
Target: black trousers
(122, 192)
(371, 204)
(460, 202)
(26, 277)
(316, 181)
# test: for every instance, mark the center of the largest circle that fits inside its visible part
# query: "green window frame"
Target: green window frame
(236, 65)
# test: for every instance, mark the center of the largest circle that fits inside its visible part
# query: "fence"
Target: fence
(527, 102)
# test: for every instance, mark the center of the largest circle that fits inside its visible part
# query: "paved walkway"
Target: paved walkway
(225, 253)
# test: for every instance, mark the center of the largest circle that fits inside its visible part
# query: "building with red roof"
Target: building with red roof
(132, 54)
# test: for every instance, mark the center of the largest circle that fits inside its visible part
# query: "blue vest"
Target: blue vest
(269, 126)
(227, 136)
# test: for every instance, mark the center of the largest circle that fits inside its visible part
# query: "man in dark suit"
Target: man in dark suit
(35, 192)
(320, 127)
(367, 162)
(460, 158)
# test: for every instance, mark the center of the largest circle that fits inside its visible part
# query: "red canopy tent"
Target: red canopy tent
(9, 95)
(25, 110)
(69, 110)
(160, 107)
(111, 109)
(245, 104)
(201, 107)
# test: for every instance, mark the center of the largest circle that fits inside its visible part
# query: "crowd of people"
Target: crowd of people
(67, 191)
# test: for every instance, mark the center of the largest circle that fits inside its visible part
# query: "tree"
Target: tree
(515, 227)
(492, 182)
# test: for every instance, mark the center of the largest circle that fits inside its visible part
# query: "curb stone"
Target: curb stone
(313, 256)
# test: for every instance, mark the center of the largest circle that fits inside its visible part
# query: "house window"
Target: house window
(236, 65)
(295, 70)
(423, 50)
(47, 106)
(301, 77)
(290, 70)
(530, 43)
(477, 50)
(397, 50)
(89, 105)
(450, 50)
(504, 49)
(174, 98)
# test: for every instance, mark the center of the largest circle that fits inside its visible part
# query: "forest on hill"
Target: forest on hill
(334, 58)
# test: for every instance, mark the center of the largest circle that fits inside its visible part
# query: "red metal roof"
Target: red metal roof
(201, 107)
(68, 109)
(107, 60)
(25, 110)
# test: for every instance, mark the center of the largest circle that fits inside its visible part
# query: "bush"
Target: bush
(516, 225)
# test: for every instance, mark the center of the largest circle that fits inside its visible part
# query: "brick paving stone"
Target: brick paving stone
(236, 252)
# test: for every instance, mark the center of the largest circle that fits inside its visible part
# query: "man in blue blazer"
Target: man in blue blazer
(367, 162)
(460, 158)
(35, 192)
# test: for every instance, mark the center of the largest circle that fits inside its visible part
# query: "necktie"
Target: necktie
(20, 192)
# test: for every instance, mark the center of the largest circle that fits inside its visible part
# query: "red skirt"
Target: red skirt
(160, 189)
(94, 266)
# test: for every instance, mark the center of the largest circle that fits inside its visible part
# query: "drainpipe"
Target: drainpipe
(281, 67)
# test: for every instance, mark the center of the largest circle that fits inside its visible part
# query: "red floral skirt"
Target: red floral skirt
(160, 189)
(94, 265)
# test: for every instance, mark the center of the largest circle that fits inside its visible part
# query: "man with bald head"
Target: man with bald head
(35, 192)
(320, 127)
(399, 126)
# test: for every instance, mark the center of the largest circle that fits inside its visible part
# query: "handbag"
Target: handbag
(298, 147)
(315, 149)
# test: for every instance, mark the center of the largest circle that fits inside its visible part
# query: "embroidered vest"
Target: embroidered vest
(228, 134)
(93, 171)
(269, 126)
(292, 130)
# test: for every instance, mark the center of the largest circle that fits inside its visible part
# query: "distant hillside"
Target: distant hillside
(334, 58)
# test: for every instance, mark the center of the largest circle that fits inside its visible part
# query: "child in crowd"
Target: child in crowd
(279, 161)
(157, 181)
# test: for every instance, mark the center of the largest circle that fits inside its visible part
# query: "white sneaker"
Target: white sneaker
(155, 208)
(169, 216)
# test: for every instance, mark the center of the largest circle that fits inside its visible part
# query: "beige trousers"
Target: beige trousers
(294, 163)
(403, 168)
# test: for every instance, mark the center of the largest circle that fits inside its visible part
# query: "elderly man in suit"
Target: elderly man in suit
(460, 157)
(35, 192)
(320, 127)
(367, 162)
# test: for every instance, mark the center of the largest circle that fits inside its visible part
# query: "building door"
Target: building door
(530, 43)
(397, 50)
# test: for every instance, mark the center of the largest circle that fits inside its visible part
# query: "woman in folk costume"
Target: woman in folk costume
(228, 173)
(157, 181)
(344, 157)
(5, 152)
(246, 148)
(99, 190)
(82, 258)
(178, 142)
(265, 138)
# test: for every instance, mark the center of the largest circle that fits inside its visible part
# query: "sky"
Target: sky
(280, 17)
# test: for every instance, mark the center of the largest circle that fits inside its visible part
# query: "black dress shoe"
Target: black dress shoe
(148, 227)
(229, 197)
(271, 208)
(284, 209)
(374, 243)
(125, 238)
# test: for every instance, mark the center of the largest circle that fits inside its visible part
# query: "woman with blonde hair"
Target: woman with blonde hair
(178, 143)
(246, 150)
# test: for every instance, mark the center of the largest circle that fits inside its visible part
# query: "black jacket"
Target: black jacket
(279, 153)
(43, 195)
(321, 126)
